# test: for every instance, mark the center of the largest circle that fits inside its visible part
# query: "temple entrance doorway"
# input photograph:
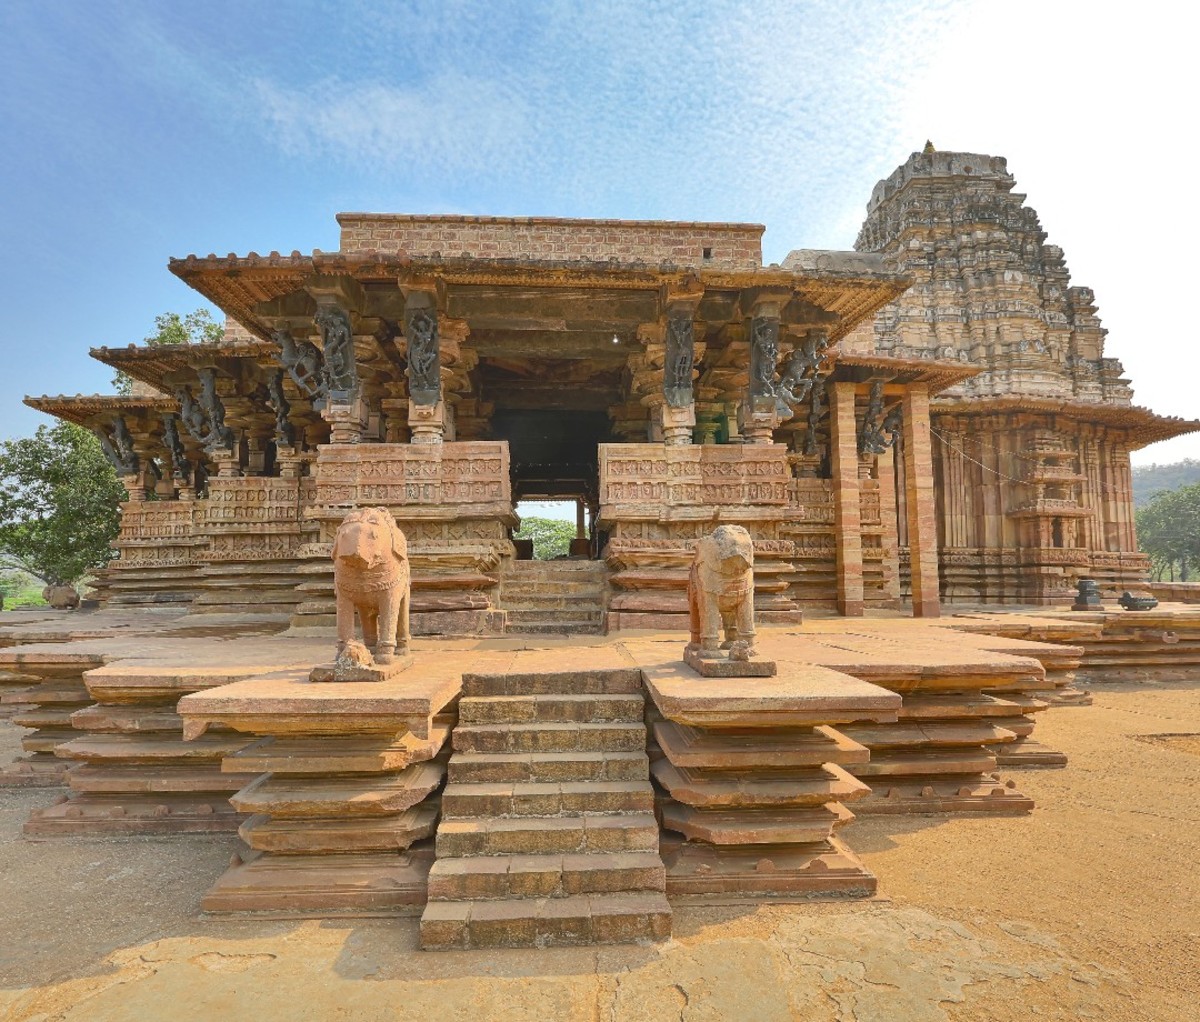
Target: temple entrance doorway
(554, 461)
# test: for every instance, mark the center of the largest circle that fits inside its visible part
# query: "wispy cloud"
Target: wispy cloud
(448, 123)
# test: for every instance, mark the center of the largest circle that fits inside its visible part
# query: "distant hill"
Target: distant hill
(1150, 479)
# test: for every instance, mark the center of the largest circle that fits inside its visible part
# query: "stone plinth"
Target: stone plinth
(132, 772)
(45, 686)
(345, 788)
(1151, 646)
(751, 774)
(937, 757)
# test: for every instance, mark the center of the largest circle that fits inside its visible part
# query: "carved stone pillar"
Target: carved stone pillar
(135, 486)
(226, 460)
(426, 404)
(344, 409)
(290, 461)
(759, 416)
(920, 503)
(679, 405)
(847, 512)
(395, 418)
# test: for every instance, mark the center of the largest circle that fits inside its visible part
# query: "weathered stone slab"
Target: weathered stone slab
(388, 883)
(747, 748)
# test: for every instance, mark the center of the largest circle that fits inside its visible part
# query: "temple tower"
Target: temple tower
(1031, 454)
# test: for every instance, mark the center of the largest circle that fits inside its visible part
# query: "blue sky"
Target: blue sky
(137, 131)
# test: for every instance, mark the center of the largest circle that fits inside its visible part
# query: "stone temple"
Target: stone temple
(928, 420)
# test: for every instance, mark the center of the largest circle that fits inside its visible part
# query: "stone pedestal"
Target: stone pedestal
(132, 772)
(754, 779)
(46, 684)
(427, 423)
(344, 790)
(678, 424)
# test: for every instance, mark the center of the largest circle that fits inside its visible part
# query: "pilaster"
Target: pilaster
(847, 515)
(920, 506)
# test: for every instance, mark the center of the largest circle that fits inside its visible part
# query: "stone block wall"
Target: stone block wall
(728, 246)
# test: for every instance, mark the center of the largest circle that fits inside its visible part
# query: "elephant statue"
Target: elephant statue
(721, 593)
(371, 577)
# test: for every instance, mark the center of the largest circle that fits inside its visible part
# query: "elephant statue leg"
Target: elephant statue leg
(745, 621)
(402, 632)
(369, 614)
(389, 614)
(710, 617)
(345, 621)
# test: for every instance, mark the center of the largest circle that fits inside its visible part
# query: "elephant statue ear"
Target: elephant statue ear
(399, 543)
(337, 542)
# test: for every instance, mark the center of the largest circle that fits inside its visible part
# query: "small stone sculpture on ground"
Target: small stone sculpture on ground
(721, 599)
(371, 580)
(1131, 602)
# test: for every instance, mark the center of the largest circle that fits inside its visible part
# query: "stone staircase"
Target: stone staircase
(555, 597)
(548, 836)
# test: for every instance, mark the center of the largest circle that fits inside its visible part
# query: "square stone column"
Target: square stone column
(847, 514)
(920, 505)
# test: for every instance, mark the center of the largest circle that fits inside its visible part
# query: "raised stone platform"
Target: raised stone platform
(345, 798)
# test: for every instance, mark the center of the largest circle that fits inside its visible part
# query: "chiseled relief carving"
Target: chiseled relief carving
(340, 370)
(679, 361)
(424, 356)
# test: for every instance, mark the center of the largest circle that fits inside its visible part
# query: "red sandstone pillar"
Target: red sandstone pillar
(847, 517)
(920, 505)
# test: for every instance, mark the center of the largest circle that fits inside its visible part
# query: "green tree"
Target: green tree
(551, 538)
(170, 328)
(58, 504)
(1169, 531)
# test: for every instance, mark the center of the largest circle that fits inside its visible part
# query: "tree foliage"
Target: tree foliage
(1169, 531)
(170, 328)
(551, 538)
(58, 504)
(1149, 480)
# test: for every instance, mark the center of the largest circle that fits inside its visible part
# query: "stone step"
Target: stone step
(575, 568)
(350, 795)
(546, 798)
(554, 628)
(467, 768)
(618, 681)
(514, 590)
(528, 611)
(588, 832)
(565, 737)
(595, 708)
(641, 917)
(490, 877)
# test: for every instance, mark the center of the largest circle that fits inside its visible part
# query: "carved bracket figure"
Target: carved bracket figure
(370, 580)
(424, 356)
(118, 448)
(680, 357)
(764, 353)
(304, 364)
(812, 446)
(285, 432)
(191, 414)
(181, 468)
(876, 436)
(219, 435)
(341, 372)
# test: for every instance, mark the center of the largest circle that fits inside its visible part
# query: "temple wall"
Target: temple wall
(657, 500)
(730, 246)
(454, 503)
(1000, 542)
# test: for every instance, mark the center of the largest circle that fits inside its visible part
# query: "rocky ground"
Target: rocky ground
(1089, 908)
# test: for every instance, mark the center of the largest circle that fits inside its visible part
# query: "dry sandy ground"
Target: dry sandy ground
(1089, 908)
